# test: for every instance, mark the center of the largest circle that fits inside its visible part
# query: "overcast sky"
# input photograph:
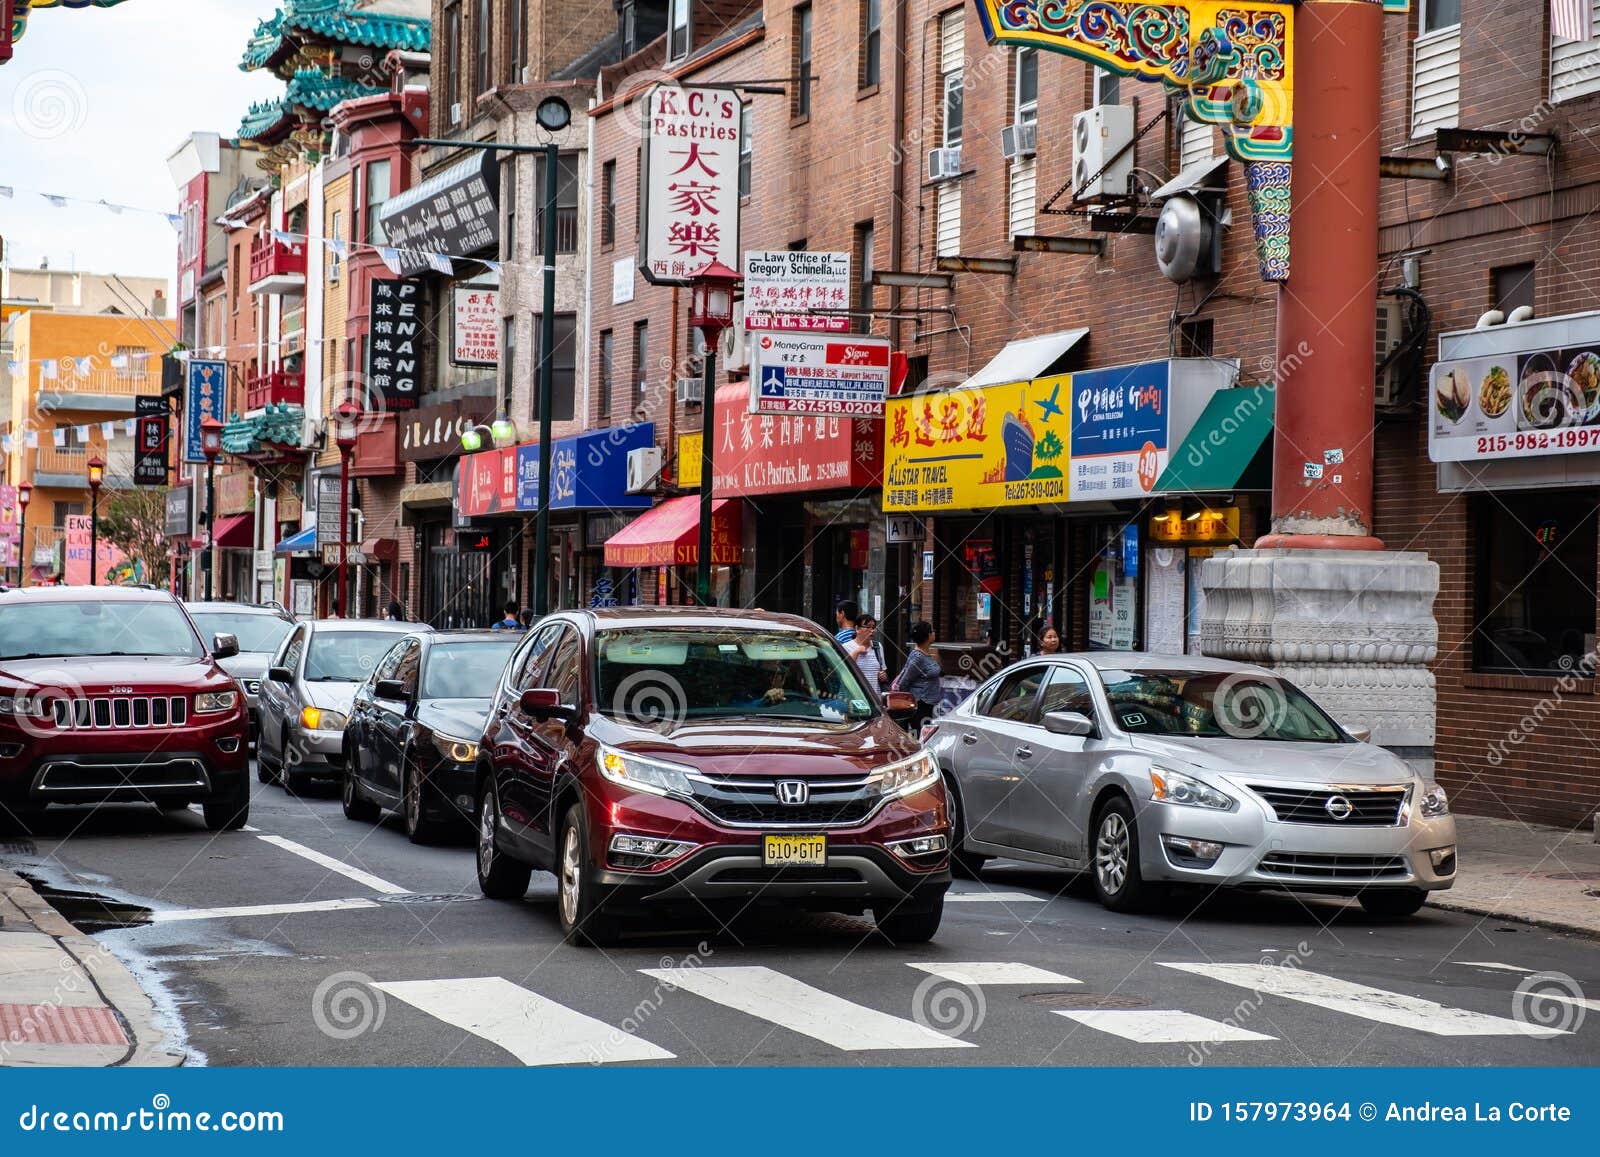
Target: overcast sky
(91, 106)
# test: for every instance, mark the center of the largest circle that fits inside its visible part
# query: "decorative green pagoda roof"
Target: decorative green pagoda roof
(279, 425)
(261, 118)
(335, 21)
(316, 90)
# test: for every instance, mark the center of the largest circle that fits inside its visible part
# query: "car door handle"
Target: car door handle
(968, 738)
(1024, 752)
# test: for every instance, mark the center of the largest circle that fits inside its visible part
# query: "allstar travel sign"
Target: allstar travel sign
(1093, 435)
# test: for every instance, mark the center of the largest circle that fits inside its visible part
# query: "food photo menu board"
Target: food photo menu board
(1515, 405)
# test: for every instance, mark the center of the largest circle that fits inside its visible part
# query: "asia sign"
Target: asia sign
(150, 440)
(475, 326)
(802, 373)
(206, 397)
(1119, 430)
(394, 347)
(691, 182)
(1515, 405)
(759, 454)
(782, 288)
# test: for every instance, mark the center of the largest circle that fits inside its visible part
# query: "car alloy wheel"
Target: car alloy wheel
(488, 815)
(571, 877)
(1111, 851)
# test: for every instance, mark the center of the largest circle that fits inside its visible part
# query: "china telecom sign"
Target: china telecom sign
(691, 185)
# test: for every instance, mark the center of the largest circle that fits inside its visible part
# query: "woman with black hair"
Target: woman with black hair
(920, 676)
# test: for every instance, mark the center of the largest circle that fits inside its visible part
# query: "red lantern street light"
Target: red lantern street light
(711, 312)
(24, 496)
(97, 475)
(346, 430)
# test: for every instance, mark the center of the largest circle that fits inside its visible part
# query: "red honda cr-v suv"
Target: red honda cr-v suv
(675, 758)
(109, 695)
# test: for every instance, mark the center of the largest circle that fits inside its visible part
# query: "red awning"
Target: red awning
(236, 531)
(669, 534)
(380, 549)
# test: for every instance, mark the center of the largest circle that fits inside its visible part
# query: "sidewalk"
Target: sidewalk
(65, 999)
(1517, 871)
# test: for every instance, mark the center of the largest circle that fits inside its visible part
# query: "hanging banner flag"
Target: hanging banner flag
(119, 361)
(47, 370)
(691, 185)
(33, 439)
(441, 264)
(60, 436)
(108, 430)
(390, 257)
(128, 427)
(394, 356)
(204, 398)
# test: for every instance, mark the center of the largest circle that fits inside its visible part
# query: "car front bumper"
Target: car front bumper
(315, 753)
(1261, 852)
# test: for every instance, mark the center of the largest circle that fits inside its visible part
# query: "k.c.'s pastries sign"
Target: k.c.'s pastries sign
(1515, 405)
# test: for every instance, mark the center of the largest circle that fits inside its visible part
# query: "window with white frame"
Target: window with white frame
(952, 68)
(1436, 68)
(678, 30)
(1575, 64)
(1027, 86)
(746, 148)
(1021, 198)
(1107, 87)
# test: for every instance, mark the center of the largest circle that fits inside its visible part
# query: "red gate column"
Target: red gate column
(1325, 332)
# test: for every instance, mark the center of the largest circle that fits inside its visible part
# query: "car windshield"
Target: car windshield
(258, 633)
(467, 670)
(1216, 705)
(47, 630)
(665, 675)
(346, 656)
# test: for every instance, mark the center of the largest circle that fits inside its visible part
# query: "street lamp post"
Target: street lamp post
(347, 416)
(711, 312)
(97, 475)
(24, 496)
(211, 448)
(553, 115)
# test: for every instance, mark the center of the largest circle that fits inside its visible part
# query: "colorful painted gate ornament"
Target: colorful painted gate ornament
(1233, 60)
(20, 9)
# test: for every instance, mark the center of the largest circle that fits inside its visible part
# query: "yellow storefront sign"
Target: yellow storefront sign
(689, 461)
(976, 449)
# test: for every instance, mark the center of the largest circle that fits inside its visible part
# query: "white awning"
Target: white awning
(1026, 358)
(1196, 176)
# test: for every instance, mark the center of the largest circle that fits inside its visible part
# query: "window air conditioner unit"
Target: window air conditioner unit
(944, 163)
(1019, 140)
(1098, 134)
(644, 467)
(455, 114)
(691, 391)
(733, 350)
(1389, 389)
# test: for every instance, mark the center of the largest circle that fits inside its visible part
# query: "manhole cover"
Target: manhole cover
(425, 898)
(1581, 876)
(1083, 1000)
(18, 848)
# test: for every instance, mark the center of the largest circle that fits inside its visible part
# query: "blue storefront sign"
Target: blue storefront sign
(1120, 426)
(587, 471)
(206, 397)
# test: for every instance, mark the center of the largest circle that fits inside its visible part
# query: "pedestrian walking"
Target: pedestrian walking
(394, 612)
(867, 652)
(526, 618)
(510, 621)
(1050, 641)
(920, 676)
(845, 616)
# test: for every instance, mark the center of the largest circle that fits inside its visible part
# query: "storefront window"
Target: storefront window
(1536, 582)
(969, 582)
(1114, 588)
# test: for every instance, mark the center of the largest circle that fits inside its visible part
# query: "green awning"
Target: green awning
(1227, 438)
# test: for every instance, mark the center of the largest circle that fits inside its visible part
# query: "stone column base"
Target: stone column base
(1353, 629)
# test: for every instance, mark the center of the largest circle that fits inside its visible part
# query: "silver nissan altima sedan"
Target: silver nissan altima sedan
(1152, 770)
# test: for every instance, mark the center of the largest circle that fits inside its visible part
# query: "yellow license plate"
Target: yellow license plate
(794, 851)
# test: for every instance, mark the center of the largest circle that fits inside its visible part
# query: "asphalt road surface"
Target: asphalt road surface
(311, 940)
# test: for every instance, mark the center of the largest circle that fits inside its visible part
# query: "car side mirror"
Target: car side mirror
(224, 646)
(393, 690)
(1360, 734)
(1068, 723)
(543, 703)
(280, 675)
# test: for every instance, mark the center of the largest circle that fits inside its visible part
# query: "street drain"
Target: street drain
(18, 848)
(1083, 1000)
(425, 898)
(89, 911)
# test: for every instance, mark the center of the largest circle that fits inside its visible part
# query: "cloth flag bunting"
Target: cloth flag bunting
(84, 365)
(108, 430)
(441, 264)
(390, 257)
(60, 435)
(129, 426)
(47, 370)
(119, 361)
(33, 439)
(58, 202)
(340, 249)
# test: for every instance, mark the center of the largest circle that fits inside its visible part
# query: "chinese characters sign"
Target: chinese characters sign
(802, 373)
(476, 333)
(691, 159)
(394, 347)
(150, 447)
(1120, 421)
(782, 287)
(759, 454)
(207, 397)
(456, 213)
(587, 472)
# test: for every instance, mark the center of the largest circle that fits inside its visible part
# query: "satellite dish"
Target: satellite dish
(1185, 239)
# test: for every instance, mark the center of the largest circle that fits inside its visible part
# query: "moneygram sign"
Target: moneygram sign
(691, 186)
(803, 373)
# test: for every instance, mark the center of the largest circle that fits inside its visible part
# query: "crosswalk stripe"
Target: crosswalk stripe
(1491, 964)
(171, 915)
(1161, 1026)
(992, 898)
(1575, 1001)
(376, 883)
(532, 1028)
(977, 973)
(1359, 1000)
(797, 1006)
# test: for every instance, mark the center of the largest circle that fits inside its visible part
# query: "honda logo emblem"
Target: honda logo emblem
(793, 791)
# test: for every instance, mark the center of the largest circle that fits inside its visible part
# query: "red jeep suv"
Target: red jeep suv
(109, 695)
(660, 759)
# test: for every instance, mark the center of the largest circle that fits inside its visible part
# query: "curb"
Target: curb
(111, 978)
(1444, 901)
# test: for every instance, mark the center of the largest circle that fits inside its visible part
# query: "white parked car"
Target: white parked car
(1149, 770)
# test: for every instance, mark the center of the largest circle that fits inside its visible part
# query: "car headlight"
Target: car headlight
(319, 719)
(457, 750)
(1435, 803)
(214, 702)
(909, 775)
(1176, 787)
(22, 706)
(640, 774)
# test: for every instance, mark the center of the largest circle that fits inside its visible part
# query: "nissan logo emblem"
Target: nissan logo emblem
(793, 791)
(1338, 807)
